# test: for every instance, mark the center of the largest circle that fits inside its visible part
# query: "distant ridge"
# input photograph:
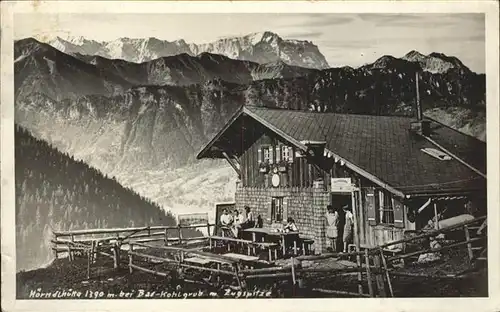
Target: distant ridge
(262, 47)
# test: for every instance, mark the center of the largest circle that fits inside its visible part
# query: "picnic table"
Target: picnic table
(271, 232)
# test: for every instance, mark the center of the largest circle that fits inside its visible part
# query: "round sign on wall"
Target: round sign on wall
(275, 180)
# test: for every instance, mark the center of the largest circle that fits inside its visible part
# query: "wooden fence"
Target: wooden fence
(374, 265)
(110, 242)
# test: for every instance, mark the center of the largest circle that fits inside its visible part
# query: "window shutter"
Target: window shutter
(371, 210)
(398, 213)
(271, 158)
(290, 154)
(259, 152)
(278, 153)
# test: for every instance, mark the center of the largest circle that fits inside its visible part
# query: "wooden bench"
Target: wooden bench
(271, 247)
(198, 260)
(306, 245)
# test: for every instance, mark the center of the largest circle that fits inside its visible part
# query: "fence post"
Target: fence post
(469, 245)
(71, 254)
(55, 244)
(387, 273)
(378, 277)
(368, 273)
(166, 237)
(180, 234)
(116, 256)
(131, 249)
(89, 261)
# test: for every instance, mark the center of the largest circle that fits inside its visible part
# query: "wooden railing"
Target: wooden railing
(109, 242)
(372, 263)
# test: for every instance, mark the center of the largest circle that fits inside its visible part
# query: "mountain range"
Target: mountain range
(142, 123)
(262, 47)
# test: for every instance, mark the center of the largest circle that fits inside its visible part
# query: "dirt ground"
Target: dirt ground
(67, 276)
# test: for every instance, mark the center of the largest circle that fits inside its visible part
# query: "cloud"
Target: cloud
(318, 20)
(309, 35)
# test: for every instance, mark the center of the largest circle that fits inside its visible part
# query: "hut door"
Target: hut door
(338, 201)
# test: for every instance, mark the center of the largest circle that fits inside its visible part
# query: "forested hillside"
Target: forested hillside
(53, 191)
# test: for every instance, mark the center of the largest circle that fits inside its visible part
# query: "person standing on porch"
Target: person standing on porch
(348, 227)
(332, 223)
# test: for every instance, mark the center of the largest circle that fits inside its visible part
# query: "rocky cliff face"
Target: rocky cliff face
(40, 67)
(264, 47)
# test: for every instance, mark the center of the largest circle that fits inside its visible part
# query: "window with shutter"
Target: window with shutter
(290, 154)
(271, 157)
(278, 153)
(385, 208)
(398, 213)
(259, 155)
(266, 154)
(370, 205)
(285, 153)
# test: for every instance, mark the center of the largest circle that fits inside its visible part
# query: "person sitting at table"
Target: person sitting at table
(226, 221)
(290, 238)
(237, 217)
(290, 226)
(248, 220)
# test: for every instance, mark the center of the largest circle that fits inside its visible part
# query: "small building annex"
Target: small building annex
(396, 173)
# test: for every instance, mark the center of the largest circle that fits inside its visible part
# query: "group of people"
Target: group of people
(333, 225)
(238, 221)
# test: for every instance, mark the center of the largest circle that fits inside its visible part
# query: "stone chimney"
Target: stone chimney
(421, 126)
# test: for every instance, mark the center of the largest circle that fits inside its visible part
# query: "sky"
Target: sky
(344, 39)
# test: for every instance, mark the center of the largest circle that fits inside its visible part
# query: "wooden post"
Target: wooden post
(165, 239)
(180, 234)
(130, 263)
(237, 275)
(293, 271)
(71, 255)
(378, 277)
(96, 250)
(387, 273)
(436, 224)
(116, 256)
(55, 245)
(89, 261)
(91, 251)
(368, 273)
(208, 228)
(218, 274)
(356, 241)
(469, 245)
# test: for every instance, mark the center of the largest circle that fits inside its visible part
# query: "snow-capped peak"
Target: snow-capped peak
(261, 47)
